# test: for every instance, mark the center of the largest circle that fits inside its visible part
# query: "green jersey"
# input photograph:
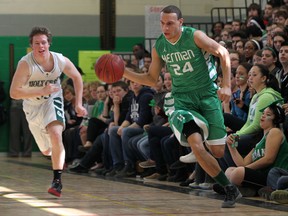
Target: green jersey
(190, 67)
(281, 160)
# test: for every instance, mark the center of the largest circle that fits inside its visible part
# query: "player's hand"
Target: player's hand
(224, 94)
(50, 88)
(81, 111)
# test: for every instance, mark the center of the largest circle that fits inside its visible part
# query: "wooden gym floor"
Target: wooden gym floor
(24, 183)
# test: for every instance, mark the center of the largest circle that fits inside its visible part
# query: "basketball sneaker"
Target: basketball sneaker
(232, 195)
(55, 188)
(189, 158)
(280, 196)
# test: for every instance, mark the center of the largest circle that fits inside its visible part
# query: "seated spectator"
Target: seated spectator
(254, 10)
(146, 62)
(150, 162)
(71, 117)
(267, 38)
(137, 148)
(253, 32)
(241, 100)
(237, 36)
(269, 59)
(257, 57)
(139, 114)
(277, 40)
(88, 101)
(267, 16)
(257, 22)
(278, 28)
(235, 58)
(280, 17)
(240, 46)
(252, 170)
(225, 36)
(236, 25)
(250, 48)
(155, 135)
(277, 186)
(72, 124)
(228, 26)
(267, 90)
(159, 87)
(121, 101)
(95, 125)
(217, 28)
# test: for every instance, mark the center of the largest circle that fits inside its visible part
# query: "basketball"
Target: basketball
(109, 68)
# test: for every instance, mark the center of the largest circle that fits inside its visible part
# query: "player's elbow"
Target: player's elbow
(14, 94)
(152, 80)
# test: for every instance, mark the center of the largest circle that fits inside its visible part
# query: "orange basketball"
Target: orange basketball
(109, 68)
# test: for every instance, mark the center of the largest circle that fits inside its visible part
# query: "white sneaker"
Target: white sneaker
(194, 185)
(189, 158)
(206, 186)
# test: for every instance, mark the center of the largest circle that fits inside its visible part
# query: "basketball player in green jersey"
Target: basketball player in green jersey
(195, 113)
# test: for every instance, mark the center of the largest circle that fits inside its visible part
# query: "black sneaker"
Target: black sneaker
(148, 172)
(232, 195)
(162, 177)
(247, 191)
(102, 171)
(114, 171)
(78, 169)
(177, 165)
(127, 171)
(55, 188)
(186, 182)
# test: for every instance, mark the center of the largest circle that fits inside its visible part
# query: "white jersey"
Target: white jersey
(41, 111)
(39, 78)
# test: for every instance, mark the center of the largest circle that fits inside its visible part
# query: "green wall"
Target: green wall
(69, 46)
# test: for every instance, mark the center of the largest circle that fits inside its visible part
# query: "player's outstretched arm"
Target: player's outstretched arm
(151, 77)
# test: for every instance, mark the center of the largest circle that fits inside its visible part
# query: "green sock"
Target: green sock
(222, 179)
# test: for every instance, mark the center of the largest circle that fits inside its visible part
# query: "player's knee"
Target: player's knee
(47, 152)
(198, 148)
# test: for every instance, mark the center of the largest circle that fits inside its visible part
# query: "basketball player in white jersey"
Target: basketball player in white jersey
(37, 82)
